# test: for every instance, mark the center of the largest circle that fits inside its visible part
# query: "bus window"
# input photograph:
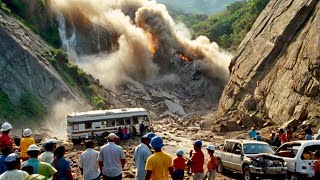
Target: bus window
(135, 120)
(128, 121)
(88, 125)
(120, 122)
(75, 127)
(109, 123)
(103, 123)
(146, 118)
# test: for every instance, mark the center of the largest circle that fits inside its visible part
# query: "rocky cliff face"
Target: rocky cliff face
(24, 66)
(276, 72)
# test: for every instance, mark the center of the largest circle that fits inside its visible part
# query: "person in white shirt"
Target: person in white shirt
(48, 155)
(88, 163)
(13, 172)
(141, 154)
(111, 159)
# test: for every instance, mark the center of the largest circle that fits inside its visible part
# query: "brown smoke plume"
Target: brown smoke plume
(141, 24)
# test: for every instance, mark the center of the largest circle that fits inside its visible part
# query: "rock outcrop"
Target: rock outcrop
(24, 66)
(275, 74)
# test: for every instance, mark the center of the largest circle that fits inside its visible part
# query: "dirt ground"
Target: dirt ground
(175, 137)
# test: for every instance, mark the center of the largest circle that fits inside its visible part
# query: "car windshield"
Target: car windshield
(257, 148)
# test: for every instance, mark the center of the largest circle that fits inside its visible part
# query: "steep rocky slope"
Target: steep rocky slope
(24, 66)
(275, 74)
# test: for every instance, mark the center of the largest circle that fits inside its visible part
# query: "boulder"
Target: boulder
(246, 121)
(175, 108)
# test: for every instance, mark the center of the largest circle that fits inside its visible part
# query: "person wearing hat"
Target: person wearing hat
(13, 172)
(39, 167)
(25, 142)
(141, 154)
(88, 163)
(252, 133)
(212, 163)
(4, 138)
(196, 161)
(48, 155)
(111, 159)
(159, 165)
(179, 165)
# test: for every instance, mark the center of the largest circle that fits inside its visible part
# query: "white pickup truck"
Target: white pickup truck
(251, 158)
(300, 158)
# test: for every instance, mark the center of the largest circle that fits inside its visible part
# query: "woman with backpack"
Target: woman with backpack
(61, 164)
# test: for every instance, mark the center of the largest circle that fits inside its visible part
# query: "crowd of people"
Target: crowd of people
(303, 132)
(151, 162)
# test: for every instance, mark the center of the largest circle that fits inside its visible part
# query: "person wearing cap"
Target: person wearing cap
(48, 155)
(258, 137)
(88, 163)
(13, 172)
(197, 161)
(179, 164)
(39, 167)
(159, 165)
(25, 142)
(111, 159)
(5, 152)
(4, 138)
(212, 163)
(141, 154)
(61, 164)
(252, 133)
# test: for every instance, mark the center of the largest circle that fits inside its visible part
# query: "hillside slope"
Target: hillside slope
(275, 74)
(25, 66)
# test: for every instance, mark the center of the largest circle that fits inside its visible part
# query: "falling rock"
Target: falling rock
(175, 108)
(246, 121)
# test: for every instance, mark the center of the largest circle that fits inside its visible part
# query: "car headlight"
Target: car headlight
(255, 163)
(269, 163)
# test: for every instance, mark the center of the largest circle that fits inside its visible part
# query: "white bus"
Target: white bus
(103, 122)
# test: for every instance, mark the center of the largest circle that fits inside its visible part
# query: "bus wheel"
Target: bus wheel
(104, 135)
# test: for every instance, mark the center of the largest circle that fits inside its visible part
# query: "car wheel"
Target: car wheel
(220, 168)
(246, 173)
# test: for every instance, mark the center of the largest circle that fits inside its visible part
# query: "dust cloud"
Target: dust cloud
(56, 120)
(142, 26)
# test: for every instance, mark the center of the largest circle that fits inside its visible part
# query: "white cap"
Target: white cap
(27, 132)
(112, 136)
(6, 126)
(12, 157)
(33, 147)
(211, 147)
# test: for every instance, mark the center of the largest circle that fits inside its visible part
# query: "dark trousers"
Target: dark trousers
(112, 178)
(178, 174)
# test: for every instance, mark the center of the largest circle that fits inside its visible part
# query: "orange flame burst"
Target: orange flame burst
(185, 58)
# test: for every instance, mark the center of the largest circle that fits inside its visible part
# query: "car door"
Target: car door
(306, 160)
(226, 155)
(236, 157)
(289, 152)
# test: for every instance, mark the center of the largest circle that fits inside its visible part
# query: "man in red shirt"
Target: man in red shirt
(197, 161)
(4, 138)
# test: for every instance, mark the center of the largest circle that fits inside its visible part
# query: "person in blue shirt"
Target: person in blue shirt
(5, 152)
(61, 164)
(252, 133)
(258, 137)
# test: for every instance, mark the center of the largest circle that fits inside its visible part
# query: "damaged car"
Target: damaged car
(251, 158)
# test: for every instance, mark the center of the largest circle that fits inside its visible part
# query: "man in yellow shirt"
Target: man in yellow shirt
(158, 165)
(25, 142)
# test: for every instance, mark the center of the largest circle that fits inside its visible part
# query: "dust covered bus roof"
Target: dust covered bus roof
(105, 114)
